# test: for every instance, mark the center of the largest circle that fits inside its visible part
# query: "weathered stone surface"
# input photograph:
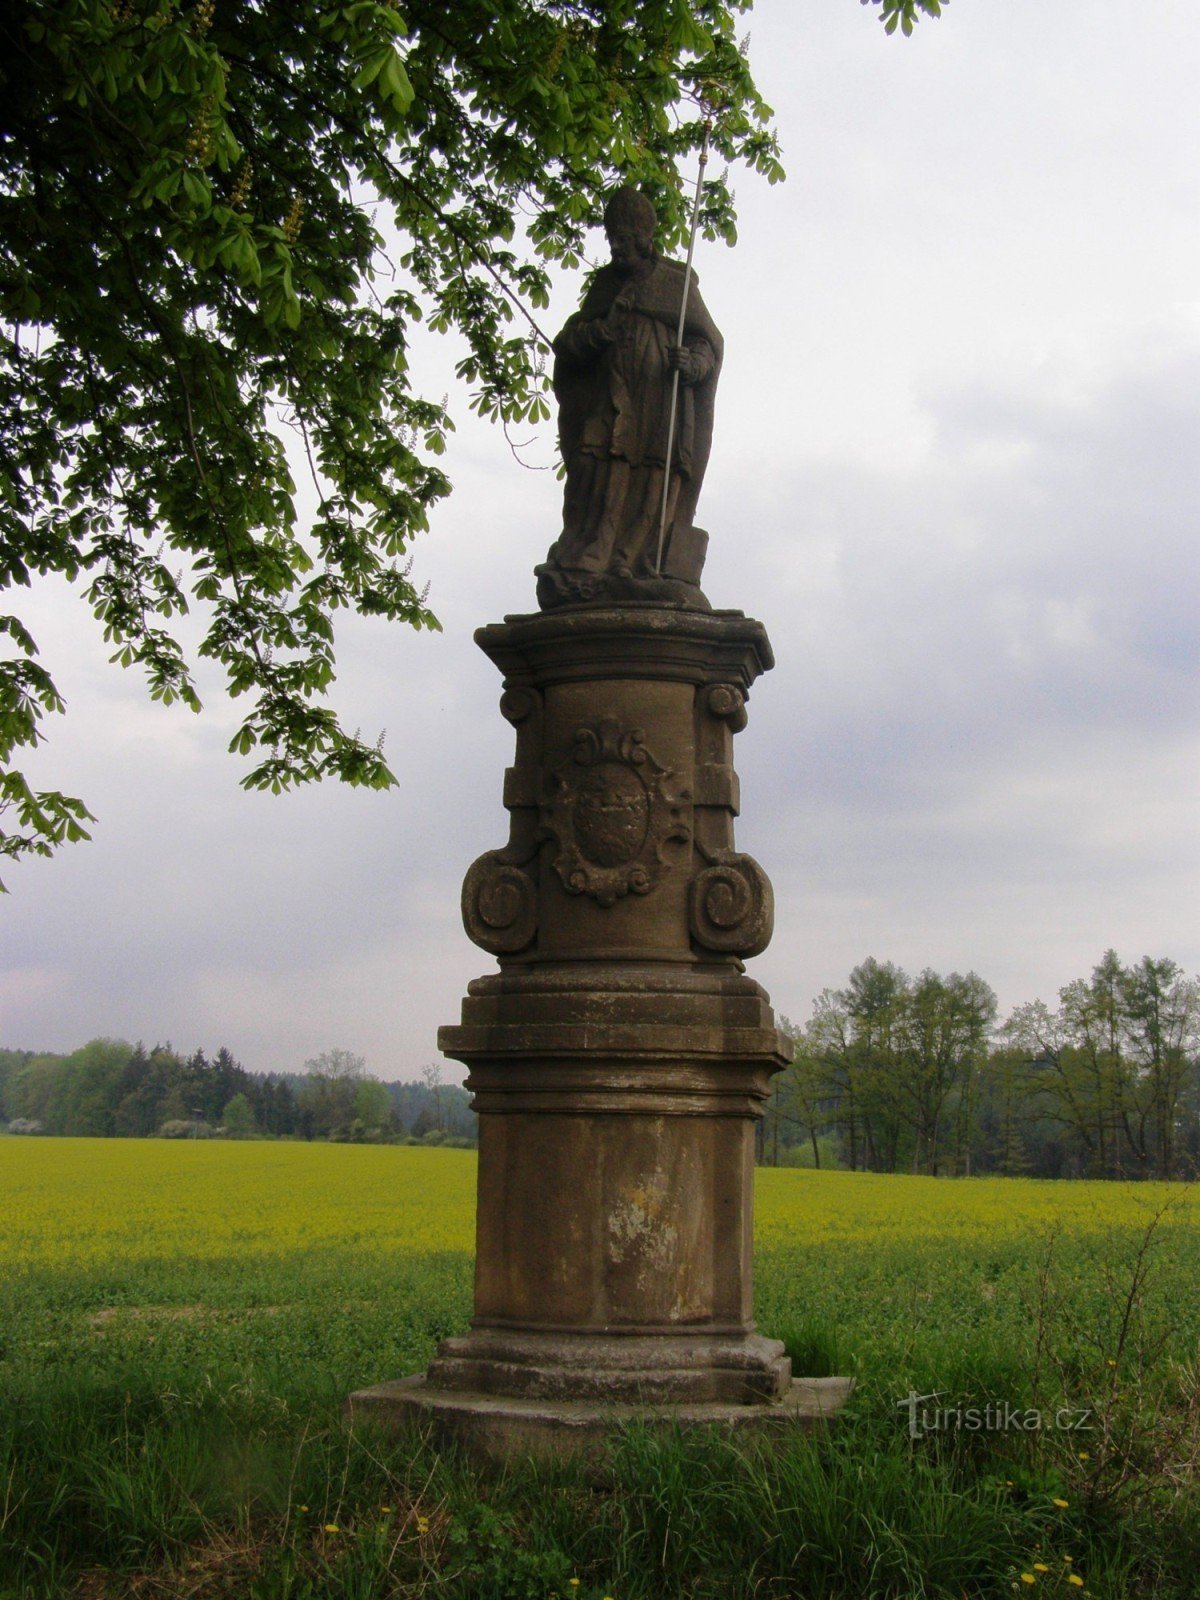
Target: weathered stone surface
(496, 1427)
(604, 1222)
(635, 375)
(499, 905)
(731, 905)
(640, 1368)
(622, 794)
(620, 1056)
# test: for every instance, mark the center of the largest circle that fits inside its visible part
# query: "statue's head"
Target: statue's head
(629, 222)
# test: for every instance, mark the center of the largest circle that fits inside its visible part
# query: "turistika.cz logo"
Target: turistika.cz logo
(995, 1416)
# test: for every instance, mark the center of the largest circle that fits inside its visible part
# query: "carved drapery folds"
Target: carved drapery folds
(613, 810)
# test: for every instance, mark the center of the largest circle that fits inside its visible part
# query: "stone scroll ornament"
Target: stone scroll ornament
(499, 893)
(613, 811)
(499, 905)
(731, 905)
(726, 700)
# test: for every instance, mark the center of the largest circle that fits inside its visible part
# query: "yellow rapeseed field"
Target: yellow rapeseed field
(83, 1201)
(181, 1322)
(861, 1207)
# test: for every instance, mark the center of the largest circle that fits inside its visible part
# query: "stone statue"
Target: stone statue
(613, 370)
(620, 1055)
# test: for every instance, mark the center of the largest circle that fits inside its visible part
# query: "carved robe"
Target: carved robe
(614, 400)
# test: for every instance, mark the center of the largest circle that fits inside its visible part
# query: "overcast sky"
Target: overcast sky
(956, 475)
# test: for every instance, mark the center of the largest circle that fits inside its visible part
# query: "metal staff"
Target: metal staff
(687, 280)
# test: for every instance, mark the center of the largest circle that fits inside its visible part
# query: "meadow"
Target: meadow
(181, 1322)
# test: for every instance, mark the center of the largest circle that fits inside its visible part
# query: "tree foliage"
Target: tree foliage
(219, 224)
(1114, 1067)
(896, 1055)
(109, 1088)
(904, 14)
(900, 1072)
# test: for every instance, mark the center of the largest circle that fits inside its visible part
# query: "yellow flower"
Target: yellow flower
(1111, 1362)
(1040, 1566)
(1028, 1577)
(1084, 1456)
(302, 1508)
(332, 1527)
(422, 1524)
(385, 1509)
(1073, 1577)
(1062, 1504)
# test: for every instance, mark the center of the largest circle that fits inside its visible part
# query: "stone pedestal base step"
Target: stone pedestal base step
(498, 1427)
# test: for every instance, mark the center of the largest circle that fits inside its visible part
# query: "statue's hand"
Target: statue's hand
(679, 358)
(609, 327)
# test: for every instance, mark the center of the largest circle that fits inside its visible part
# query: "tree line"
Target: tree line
(891, 1073)
(111, 1089)
(894, 1073)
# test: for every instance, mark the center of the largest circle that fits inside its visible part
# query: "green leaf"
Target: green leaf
(394, 82)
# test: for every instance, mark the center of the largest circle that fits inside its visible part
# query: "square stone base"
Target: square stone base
(497, 1428)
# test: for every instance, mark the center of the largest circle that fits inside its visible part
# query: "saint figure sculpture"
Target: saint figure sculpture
(614, 367)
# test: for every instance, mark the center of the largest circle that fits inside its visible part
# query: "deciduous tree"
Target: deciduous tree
(221, 221)
(218, 220)
(238, 1117)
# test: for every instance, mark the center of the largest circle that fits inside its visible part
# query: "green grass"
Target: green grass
(172, 1427)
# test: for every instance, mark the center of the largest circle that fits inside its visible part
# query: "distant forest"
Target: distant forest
(902, 1074)
(111, 1089)
(891, 1074)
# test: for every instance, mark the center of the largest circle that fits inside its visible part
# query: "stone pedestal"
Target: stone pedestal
(619, 1057)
